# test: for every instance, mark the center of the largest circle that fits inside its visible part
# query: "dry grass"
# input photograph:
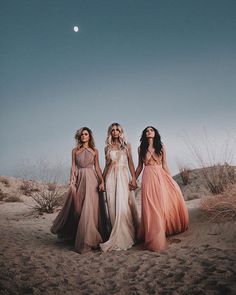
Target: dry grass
(5, 181)
(28, 188)
(219, 177)
(52, 186)
(222, 207)
(184, 174)
(49, 198)
(2, 195)
(214, 159)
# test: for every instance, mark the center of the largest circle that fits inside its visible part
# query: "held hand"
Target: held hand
(133, 184)
(101, 187)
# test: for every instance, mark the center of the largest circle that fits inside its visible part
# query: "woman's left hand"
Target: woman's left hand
(133, 184)
(101, 187)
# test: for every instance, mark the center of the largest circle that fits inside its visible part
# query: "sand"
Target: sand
(33, 261)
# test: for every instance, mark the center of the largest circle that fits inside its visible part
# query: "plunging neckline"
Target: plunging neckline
(152, 156)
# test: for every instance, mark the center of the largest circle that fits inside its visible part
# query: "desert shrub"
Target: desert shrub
(218, 177)
(222, 207)
(52, 186)
(28, 188)
(215, 161)
(2, 195)
(46, 200)
(5, 181)
(184, 174)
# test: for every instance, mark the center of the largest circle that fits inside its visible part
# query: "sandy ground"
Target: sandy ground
(33, 261)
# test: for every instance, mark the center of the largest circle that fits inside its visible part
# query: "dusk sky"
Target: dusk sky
(169, 63)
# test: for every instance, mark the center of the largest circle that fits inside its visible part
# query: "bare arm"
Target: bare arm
(164, 160)
(73, 168)
(98, 171)
(133, 183)
(107, 164)
(140, 165)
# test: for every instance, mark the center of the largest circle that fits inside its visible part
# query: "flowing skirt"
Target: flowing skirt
(122, 210)
(79, 217)
(163, 208)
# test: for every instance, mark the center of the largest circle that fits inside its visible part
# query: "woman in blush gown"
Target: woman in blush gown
(78, 219)
(121, 202)
(163, 210)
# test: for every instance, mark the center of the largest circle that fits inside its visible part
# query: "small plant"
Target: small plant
(2, 195)
(5, 181)
(52, 186)
(12, 199)
(222, 207)
(213, 159)
(28, 188)
(184, 174)
(218, 177)
(48, 199)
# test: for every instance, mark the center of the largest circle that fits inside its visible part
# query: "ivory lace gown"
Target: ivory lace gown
(78, 219)
(121, 204)
(163, 210)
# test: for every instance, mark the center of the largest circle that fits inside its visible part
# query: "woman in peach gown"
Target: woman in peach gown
(120, 198)
(163, 208)
(78, 219)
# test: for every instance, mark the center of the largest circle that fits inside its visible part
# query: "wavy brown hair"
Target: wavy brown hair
(78, 134)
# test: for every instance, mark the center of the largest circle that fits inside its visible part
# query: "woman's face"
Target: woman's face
(150, 133)
(115, 133)
(85, 136)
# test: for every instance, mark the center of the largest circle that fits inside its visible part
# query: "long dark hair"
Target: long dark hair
(157, 144)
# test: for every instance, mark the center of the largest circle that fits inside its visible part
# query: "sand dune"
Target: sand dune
(33, 261)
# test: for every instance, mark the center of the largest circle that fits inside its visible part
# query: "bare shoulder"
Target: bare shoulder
(163, 149)
(74, 150)
(128, 146)
(96, 151)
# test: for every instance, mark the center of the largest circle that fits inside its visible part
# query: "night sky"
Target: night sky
(170, 64)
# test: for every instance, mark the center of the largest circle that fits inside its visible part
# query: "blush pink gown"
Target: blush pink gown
(79, 217)
(163, 208)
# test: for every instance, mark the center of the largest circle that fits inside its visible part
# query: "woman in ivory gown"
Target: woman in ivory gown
(121, 203)
(79, 217)
(163, 208)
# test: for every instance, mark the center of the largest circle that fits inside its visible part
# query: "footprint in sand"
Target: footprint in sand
(133, 268)
(174, 241)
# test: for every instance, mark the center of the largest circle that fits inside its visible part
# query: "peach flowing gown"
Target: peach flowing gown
(163, 208)
(79, 217)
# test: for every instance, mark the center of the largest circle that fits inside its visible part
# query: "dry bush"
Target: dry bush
(28, 188)
(5, 181)
(214, 160)
(52, 186)
(47, 199)
(2, 195)
(221, 207)
(184, 174)
(12, 198)
(218, 177)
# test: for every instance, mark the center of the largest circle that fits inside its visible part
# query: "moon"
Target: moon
(76, 29)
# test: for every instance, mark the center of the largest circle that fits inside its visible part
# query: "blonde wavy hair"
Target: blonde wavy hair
(122, 138)
(78, 134)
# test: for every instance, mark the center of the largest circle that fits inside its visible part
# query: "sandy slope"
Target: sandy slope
(33, 261)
